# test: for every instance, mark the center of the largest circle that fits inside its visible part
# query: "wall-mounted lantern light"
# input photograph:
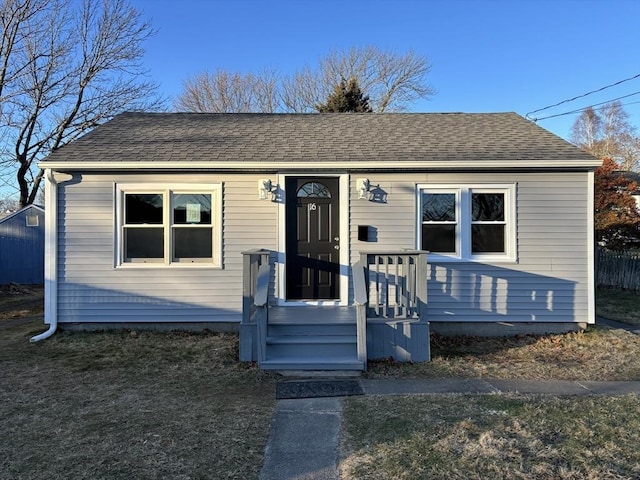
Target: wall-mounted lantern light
(362, 186)
(264, 189)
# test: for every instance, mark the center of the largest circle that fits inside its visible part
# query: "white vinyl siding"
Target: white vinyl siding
(92, 289)
(547, 282)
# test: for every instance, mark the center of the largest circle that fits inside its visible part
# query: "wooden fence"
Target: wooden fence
(617, 269)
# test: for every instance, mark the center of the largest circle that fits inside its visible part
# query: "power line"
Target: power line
(581, 96)
(590, 106)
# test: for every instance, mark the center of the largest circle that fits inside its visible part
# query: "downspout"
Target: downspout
(50, 257)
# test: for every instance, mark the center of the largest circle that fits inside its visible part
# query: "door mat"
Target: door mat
(318, 388)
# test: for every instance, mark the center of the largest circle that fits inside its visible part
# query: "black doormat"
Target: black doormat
(318, 388)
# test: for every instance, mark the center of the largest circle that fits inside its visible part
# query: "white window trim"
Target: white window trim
(463, 217)
(32, 220)
(214, 189)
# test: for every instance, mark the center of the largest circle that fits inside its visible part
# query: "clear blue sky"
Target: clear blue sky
(486, 55)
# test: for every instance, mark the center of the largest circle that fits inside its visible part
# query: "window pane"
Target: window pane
(439, 238)
(487, 207)
(191, 208)
(487, 238)
(192, 243)
(314, 190)
(438, 207)
(143, 243)
(141, 208)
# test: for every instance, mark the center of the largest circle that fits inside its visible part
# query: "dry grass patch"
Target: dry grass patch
(19, 301)
(491, 436)
(595, 354)
(130, 405)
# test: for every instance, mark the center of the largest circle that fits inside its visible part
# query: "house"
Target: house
(309, 233)
(22, 246)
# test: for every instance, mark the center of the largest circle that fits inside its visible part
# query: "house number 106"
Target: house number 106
(312, 206)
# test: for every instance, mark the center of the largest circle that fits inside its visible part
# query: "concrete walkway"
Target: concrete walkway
(303, 443)
(614, 324)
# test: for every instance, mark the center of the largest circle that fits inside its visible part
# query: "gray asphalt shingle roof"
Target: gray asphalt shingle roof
(189, 137)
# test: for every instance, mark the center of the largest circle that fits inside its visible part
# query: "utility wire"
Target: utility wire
(590, 106)
(580, 96)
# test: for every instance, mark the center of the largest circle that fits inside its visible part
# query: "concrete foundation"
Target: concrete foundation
(218, 327)
(503, 329)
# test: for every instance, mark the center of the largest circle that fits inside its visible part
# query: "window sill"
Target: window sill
(435, 258)
(172, 266)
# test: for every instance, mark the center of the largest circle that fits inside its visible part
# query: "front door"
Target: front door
(312, 238)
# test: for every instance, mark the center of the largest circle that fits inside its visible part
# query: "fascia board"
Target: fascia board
(333, 165)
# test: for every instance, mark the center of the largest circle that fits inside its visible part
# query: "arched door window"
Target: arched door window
(313, 190)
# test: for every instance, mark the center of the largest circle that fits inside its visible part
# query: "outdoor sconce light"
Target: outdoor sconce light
(363, 185)
(264, 189)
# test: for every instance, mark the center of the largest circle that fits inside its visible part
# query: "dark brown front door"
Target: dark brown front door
(313, 241)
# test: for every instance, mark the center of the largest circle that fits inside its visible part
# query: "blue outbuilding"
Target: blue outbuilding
(22, 246)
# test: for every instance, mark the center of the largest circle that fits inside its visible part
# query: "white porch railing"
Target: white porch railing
(390, 293)
(396, 283)
(256, 273)
(390, 298)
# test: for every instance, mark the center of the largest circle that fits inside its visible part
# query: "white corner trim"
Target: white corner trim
(591, 273)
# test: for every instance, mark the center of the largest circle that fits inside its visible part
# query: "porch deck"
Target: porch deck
(387, 318)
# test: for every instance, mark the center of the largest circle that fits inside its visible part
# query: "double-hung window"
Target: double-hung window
(163, 225)
(467, 222)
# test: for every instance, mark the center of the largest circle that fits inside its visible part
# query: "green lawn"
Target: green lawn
(620, 305)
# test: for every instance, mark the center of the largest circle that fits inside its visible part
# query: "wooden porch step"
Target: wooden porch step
(312, 363)
(314, 339)
(312, 315)
(302, 346)
(315, 329)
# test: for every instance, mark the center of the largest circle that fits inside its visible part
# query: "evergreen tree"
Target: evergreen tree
(346, 97)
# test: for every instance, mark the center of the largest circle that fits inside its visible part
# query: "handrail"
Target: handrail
(262, 285)
(360, 298)
(256, 273)
(359, 285)
(260, 300)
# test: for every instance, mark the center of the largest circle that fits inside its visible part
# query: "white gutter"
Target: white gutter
(591, 245)
(304, 165)
(51, 257)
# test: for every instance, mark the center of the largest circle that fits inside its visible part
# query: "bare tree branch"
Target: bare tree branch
(391, 81)
(607, 133)
(79, 64)
(226, 92)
